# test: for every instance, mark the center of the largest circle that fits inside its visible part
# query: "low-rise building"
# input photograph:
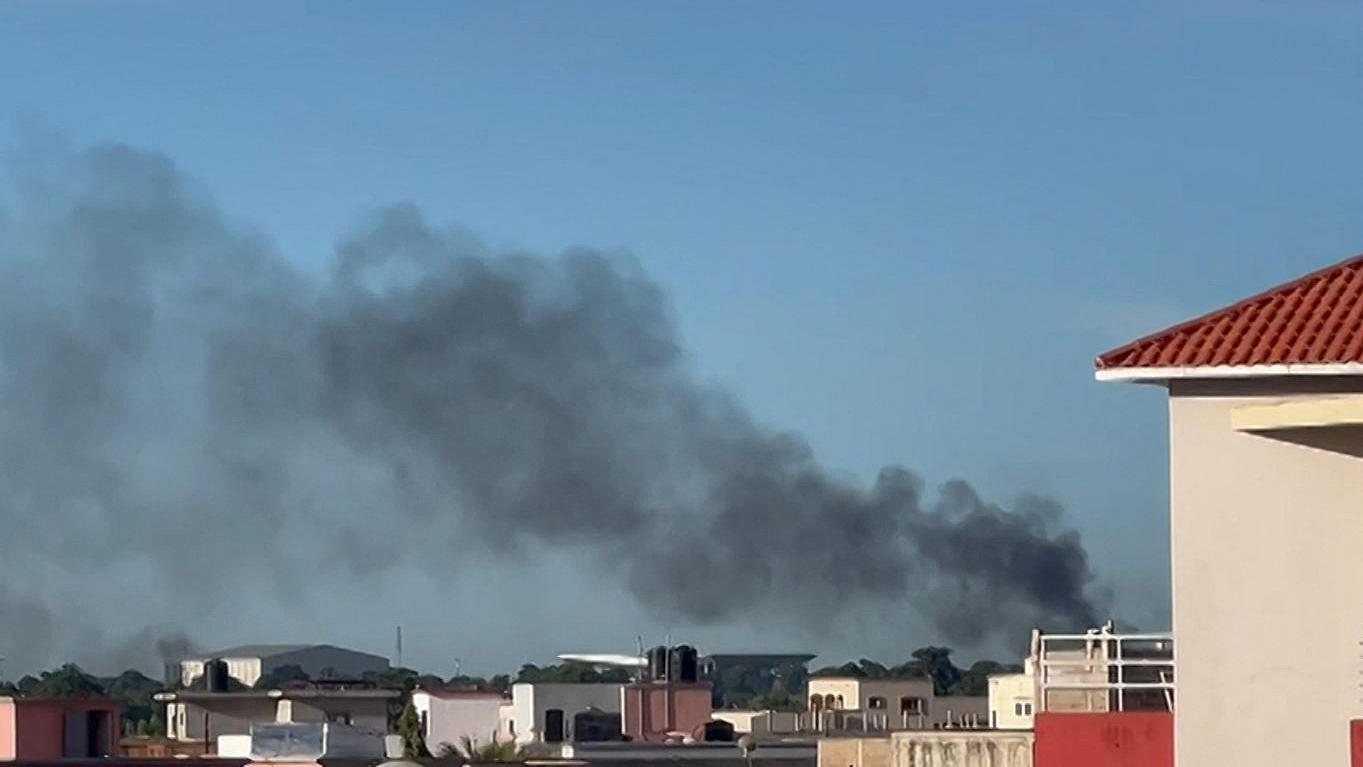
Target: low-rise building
(59, 728)
(204, 716)
(449, 717)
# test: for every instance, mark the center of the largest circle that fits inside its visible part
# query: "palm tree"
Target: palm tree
(470, 751)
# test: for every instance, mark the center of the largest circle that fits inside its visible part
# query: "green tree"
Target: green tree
(936, 661)
(135, 691)
(69, 681)
(470, 751)
(570, 672)
(409, 727)
(282, 676)
(975, 681)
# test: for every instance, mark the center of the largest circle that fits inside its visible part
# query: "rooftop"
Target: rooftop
(1312, 325)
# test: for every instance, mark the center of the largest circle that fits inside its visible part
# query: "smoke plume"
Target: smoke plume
(174, 391)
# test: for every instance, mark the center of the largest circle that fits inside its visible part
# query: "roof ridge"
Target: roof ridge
(1106, 359)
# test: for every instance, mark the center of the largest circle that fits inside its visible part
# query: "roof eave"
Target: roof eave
(1161, 374)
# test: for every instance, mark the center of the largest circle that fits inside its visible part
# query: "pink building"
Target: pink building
(651, 710)
(58, 728)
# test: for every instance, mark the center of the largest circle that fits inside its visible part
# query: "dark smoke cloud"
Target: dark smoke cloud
(172, 390)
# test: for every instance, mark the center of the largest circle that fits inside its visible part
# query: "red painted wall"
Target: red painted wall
(40, 725)
(652, 709)
(1126, 739)
(1356, 743)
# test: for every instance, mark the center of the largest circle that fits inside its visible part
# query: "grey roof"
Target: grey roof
(761, 657)
(258, 650)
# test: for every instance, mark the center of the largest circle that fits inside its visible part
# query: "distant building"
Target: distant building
(248, 663)
(59, 728)
(863, 703)
(450, 716)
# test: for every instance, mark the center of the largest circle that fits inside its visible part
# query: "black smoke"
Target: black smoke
(174, 391)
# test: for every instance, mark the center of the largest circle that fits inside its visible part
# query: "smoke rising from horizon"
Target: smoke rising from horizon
(170, 386)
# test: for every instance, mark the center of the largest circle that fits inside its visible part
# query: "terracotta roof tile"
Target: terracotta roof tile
(1316, 319)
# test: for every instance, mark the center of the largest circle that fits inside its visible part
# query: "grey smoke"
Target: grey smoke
(174, 391)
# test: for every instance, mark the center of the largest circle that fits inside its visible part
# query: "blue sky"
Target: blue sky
(903, 229)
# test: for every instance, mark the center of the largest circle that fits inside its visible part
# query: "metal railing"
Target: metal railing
(1103, 671)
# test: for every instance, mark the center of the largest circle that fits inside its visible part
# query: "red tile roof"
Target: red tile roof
(1313, 320)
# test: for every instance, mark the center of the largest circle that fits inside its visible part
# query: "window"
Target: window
(1017, 709)
(910, 705)
(829, 701)
(840, 703)
(876, 702)
(1022, 709)
(815, 702)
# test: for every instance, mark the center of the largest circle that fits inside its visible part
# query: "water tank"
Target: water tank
(215, 675)
(657, 664)
(715, 731)
(685, 664)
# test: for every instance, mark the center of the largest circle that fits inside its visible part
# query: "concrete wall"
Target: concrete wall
(230, 717)
(760, 722)
(1012, 701)
(452, 717)
(1125, 739)
(530, 701)
(967, 748)
(1266, 532)
(854, 752)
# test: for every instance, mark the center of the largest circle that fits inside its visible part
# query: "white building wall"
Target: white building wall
(530, 701)
(450, 719)
(1012, 701)
(1266, 532)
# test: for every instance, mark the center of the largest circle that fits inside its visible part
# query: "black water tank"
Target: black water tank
(715, 731)
(685, 664)
(215, 675)
(657, 664)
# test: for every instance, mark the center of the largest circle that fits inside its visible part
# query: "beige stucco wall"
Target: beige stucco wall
(835, 686)
(1267, 545)
(963, 748)
(1006, 693)
(854, 752)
